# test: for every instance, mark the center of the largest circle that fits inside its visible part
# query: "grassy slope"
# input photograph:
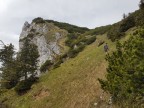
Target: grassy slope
(73, 85)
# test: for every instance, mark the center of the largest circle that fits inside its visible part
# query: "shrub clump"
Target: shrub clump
(58, 62)
(90, 40)
(99, 30)
(125, 77)
(25, 85)
(70, 28)
(133, 19)
(46, 66)
(73, 52)
(115, 32)
(127, 23)
(38, 20)
(100, 43)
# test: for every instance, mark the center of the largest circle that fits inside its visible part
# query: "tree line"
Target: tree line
(135, 19)
(18, 68)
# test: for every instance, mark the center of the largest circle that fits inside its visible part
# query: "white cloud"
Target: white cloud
(3, 5)
(89, 13)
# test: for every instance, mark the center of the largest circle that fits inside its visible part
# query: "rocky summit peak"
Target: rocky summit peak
(26, 25)
(46, 36)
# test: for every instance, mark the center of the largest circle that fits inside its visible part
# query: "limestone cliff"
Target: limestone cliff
(47, 37)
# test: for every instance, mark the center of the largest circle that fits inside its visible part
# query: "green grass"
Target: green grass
(73, 85)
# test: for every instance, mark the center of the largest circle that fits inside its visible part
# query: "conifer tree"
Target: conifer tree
(125, 77)
(28, 58)
(141, 5)
(9, 75)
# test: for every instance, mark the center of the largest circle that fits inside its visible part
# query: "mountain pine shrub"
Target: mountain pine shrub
(125, 72)
(46, 66)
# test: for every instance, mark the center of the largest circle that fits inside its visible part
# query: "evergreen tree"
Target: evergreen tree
(9, 76)
(28, 59)
(124, 16)
(141, 5)
(125, 77)
(127, 23)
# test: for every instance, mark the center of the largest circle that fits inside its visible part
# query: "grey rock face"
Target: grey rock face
(25, 30)
(40, 35)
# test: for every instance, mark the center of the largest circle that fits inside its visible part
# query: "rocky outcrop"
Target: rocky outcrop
(46, 37)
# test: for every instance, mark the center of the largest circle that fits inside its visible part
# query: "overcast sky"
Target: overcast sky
(87, 13)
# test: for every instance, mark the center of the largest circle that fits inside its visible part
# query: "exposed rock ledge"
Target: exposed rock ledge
(46, 36)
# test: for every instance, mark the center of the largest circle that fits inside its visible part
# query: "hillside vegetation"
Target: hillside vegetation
(82, 78)
(69, 27)
(135, 19)
(73, 84)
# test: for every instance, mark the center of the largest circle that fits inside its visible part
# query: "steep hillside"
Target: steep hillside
(134, 19)
(74, 82)
(50, 37)
(73, 85)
